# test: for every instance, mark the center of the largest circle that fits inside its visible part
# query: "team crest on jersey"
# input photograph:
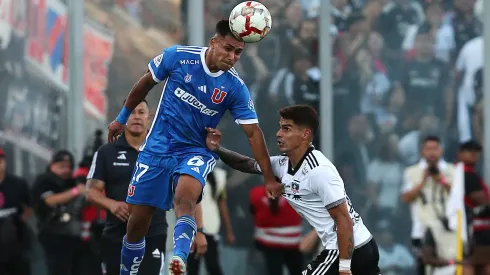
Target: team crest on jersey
(157, 60)
(187, 78)
(218, 96)
(295, 187)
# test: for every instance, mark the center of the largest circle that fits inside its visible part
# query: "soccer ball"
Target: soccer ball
(250, 21)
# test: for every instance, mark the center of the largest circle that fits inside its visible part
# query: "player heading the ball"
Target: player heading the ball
(200, 86)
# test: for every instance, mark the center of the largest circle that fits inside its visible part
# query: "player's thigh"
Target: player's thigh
(327, 263)
(154, 258)
(365, 259)
(190, 175)
(151, 181)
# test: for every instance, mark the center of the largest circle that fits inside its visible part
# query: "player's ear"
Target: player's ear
(213, 41)
(307, 133)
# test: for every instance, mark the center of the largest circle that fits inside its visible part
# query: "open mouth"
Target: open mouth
(280, 143)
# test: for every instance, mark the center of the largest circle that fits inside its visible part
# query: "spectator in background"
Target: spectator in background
(469, 61)
(393, 23)
(277, 232)
(385, 178)
(465, 24)
(426, 188)
(394, 258)
(355, 157)
(58, 201)
(477, 202)
(428, 78)
(214, 209)
(15, 209)
(477, 110)
(441, 32)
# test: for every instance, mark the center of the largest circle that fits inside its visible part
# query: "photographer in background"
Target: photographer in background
(14, 211)
(59, 200)
(426, 187)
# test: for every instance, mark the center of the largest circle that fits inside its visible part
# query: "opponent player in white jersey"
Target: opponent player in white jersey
(316, 191)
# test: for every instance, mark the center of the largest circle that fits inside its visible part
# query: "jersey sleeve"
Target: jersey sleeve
(161, 66)
(242, 107)
(327, 183)
(97, 169)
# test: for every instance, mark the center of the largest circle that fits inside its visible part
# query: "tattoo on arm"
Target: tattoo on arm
(350, 248)
(238, 161)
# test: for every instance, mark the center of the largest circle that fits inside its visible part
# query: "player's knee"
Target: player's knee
(186, 195)
(184, 205)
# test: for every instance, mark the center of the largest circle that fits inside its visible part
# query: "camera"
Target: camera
(433, 170)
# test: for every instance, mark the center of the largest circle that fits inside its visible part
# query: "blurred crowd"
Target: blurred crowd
(403, 70)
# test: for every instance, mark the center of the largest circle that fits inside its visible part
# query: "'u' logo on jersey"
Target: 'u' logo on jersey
(218, 96)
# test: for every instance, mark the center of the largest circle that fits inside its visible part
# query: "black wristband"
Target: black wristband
(201, 229)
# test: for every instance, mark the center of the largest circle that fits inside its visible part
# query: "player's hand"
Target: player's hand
(274, 189)
(200, 245)
(115, 129)
(120, 210)
(213, 139)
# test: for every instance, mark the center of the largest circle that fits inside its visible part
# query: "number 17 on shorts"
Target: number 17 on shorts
(154, 184)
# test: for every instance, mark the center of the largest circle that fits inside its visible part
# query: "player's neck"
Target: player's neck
(134, 141)
(297, 154)
(207, 58)
(2, 176)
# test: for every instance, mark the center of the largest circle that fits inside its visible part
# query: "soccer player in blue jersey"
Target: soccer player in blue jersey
(200, 86)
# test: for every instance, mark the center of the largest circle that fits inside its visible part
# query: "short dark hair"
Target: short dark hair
(432, 138)
(302, 115)
(223, 28)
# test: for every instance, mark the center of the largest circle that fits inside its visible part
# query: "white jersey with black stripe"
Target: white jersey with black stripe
(313, 187)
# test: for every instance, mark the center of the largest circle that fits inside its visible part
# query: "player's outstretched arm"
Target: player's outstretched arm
(140, 90)
(259, 149)
(233, 159)
(238, 161)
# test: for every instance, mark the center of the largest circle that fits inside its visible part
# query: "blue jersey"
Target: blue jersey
(192, 99)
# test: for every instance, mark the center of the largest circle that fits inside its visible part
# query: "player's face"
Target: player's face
(139, 120)
(226, 51)
(291, 136)
(432, 151)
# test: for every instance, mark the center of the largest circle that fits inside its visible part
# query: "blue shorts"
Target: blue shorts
(155, 177)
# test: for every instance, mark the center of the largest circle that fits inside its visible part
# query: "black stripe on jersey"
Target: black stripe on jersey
(308, 160)
(313, 158)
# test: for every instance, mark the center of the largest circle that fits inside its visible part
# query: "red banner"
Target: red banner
(47, 50)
